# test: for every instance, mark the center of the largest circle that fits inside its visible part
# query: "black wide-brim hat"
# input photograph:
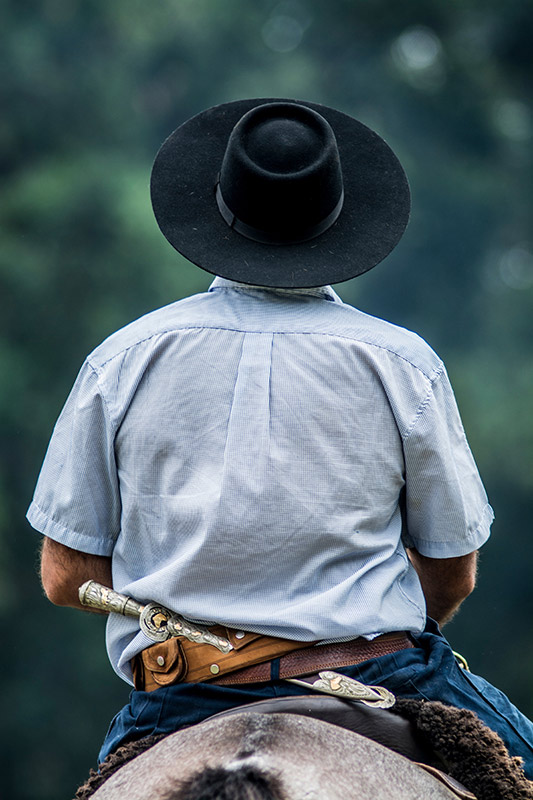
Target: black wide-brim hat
(279, 193)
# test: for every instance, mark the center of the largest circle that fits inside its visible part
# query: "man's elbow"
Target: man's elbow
(445, 582)
(461, 581)
(58, 573)
(467, 585)
(64, 570)
(467, 573)
(471, 584)
(57, 590)
(455, 593)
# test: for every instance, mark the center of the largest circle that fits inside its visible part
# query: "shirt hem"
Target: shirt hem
(472, 541)
(54, 530)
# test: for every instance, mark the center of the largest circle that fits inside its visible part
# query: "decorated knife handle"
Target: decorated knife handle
(95, 595)
(156, 622)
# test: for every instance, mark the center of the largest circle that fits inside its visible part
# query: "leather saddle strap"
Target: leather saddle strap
(456, 787)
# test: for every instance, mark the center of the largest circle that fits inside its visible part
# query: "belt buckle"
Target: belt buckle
(342, 686)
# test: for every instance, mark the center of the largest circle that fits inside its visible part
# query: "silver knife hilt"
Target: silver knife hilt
(156, 622)
(95, 595)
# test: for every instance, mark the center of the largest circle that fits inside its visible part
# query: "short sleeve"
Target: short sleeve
(77, 499)
(447, 510)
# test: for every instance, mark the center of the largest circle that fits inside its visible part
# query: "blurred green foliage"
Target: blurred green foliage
(89, 90)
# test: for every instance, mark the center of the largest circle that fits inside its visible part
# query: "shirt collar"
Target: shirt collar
(324, 292)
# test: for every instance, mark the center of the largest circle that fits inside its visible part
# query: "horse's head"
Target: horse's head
(270, 757)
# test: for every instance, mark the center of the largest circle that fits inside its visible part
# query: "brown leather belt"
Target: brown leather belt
(318, 657)
(179, 660)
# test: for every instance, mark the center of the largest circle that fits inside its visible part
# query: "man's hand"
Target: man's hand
(63, 571)
(446, 582)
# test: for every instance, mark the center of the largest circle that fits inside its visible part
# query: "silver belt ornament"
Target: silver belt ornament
(159, 624)
(342, 686)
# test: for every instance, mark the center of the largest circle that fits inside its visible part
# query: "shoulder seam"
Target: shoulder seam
(432, 376)
(425, 402)
(97, 371)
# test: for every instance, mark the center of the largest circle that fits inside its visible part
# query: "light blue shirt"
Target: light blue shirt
(261, 458)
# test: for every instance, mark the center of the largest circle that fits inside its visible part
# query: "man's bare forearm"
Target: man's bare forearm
(63, 570)
(446, 582)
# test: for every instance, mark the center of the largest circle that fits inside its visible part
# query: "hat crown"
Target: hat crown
(281, 180)
(281, 145)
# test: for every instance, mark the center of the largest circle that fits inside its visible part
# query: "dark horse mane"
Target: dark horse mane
(473, 754)
(219, 783)
(213, 783)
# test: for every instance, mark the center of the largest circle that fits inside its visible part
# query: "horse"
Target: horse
(291, 748)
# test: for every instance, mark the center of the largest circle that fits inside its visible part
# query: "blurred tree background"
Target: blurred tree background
(89, 90)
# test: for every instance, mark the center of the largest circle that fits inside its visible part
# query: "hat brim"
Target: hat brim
(372, 221)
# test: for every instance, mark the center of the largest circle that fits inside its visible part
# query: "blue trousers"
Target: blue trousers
(428, 671)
